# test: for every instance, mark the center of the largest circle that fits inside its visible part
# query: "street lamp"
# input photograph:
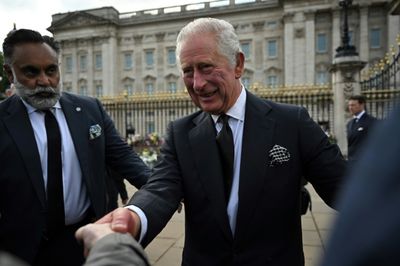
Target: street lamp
(345, 49)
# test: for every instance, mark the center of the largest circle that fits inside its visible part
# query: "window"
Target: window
(351, 38)
(99, 91)
(149, 58)
(272, 49)
(246, 49)
(375, 38)
(68, 63)
(272, 81)
(83, 90)
(128, 61)
(149, 88)
(150, 127)
(129, 89)
(322, 43)
(272, 24)
(98, 61)
(246, 82)
(321, 77)
(171, 56)
(82, 63)
(172, 87)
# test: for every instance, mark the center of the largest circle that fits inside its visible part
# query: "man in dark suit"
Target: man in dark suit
(54, 148)
(245, 212)
(367, 230)
(359, 126)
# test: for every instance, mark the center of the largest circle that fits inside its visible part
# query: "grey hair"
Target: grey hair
(227, 41)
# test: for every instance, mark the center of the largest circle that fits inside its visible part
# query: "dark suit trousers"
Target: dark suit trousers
(63, 249)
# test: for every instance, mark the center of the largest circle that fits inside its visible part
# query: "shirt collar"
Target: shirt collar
(32, 109)
(359, 115)
(237, 111)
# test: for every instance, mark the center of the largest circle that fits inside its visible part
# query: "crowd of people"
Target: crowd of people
(238, 164)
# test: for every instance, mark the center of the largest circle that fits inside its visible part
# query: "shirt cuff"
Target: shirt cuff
(143, 220)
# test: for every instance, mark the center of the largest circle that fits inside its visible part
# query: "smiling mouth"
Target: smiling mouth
(45, 94)
(207, 95)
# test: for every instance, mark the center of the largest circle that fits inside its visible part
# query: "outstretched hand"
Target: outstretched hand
(90, 233)
(122, 220)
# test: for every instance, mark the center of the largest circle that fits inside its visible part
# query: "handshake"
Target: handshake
(111, 240)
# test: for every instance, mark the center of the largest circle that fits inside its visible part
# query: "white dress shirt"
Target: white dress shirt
(236, 121)
(76, 200)
(358, 117)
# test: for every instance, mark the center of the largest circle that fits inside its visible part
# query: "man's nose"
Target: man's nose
(198, 80)
(43, 80)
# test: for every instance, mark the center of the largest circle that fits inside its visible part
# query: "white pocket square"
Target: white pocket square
(278, 155)
(94, 131)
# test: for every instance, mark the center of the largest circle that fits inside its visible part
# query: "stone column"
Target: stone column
(310, 47)
(364, 39)
(345, 82)
(288, 39)
(335, 29)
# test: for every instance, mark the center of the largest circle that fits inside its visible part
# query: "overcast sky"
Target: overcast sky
(36, 14)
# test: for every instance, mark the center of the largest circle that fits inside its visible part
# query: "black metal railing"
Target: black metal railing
(381, 87)
(143, 114)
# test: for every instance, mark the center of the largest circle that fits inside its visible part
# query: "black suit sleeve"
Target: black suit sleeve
(324, 165)
(160, 197)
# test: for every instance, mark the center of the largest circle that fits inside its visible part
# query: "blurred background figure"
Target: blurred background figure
(367, 231)
(359, 127)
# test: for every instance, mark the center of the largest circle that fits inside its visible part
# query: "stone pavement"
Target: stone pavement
(166, 249)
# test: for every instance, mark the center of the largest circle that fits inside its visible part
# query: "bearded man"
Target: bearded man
(54, 149)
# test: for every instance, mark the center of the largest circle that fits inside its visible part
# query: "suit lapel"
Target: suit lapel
(207, 161)
(18, 123)
(78, 127)
(253, 169)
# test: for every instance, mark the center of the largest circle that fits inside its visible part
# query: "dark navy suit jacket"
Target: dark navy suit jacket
(357, 134)
(22, 191)
(268, 228)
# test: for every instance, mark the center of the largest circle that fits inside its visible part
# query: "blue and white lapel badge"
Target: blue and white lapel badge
(278, 155)
(94, 131)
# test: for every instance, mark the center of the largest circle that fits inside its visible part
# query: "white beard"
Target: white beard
(41, 98)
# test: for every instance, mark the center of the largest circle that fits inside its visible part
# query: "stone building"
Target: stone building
(286, 42)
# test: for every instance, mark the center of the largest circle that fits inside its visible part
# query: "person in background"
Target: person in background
(358, 127)
(237, 163)
(367, 229)
(57, 146)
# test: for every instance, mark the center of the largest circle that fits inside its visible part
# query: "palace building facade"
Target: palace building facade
(106, 52)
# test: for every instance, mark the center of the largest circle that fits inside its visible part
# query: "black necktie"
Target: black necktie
(226, 150)
(55, 198)
(354, 123)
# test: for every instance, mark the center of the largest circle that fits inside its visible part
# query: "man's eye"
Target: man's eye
(187, 72)
(206, 68)
(30, 72)
(51, 70)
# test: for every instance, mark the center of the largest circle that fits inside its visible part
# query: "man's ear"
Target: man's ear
(8, 71)
(239, 65)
